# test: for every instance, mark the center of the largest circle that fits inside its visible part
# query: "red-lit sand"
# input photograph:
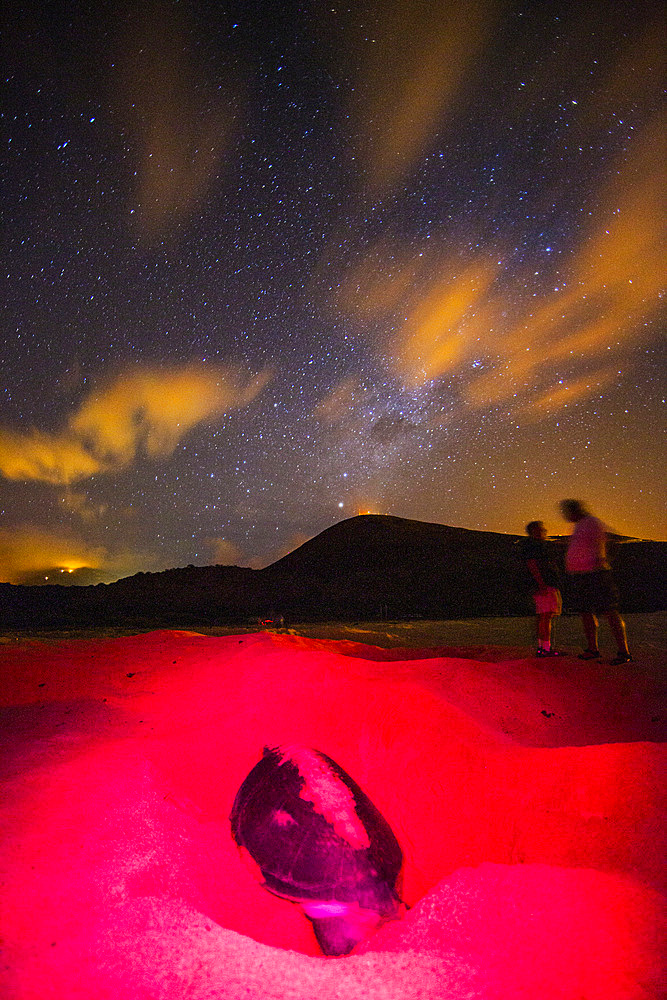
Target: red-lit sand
(526, 796)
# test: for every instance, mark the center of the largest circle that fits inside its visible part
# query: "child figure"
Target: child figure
(546, 584)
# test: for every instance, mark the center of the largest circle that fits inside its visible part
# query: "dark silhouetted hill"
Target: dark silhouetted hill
(381, 566)
(372, 566)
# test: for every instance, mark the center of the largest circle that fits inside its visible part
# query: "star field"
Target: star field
(268, 269)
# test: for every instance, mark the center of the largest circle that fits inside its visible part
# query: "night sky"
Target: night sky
(267, 266)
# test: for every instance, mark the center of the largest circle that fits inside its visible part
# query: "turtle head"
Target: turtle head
(339, 927)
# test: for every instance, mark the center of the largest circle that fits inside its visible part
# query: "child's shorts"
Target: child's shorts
(548, 603)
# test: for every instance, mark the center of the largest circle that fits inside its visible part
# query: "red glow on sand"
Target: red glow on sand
(533, 842)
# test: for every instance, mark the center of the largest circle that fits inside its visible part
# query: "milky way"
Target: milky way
(265, 270)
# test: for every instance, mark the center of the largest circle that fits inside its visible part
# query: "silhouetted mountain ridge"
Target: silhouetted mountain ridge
(370, 566)
(382, 539)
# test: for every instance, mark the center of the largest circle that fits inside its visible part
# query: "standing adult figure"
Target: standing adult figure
(541, 565)
(592, 584)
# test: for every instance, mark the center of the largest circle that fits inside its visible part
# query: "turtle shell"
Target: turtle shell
(314, 835)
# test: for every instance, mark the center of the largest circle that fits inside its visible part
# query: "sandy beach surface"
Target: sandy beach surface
(528, 797)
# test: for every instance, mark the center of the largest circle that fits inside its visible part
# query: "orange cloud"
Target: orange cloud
(444, 326)
(87, 509)
(226, 553)
(156, 409)
(614, 288)
(443, 310)
(440, 308)
(29, 554)
(148, 411)
(569, 392)
(445, 317)
(50, 458)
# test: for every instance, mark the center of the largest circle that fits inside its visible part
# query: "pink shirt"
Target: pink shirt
(587, 550)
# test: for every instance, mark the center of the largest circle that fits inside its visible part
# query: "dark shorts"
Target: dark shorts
(593, 592)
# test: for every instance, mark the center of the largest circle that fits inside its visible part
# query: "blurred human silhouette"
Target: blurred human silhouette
(593, 589)
(537, 555)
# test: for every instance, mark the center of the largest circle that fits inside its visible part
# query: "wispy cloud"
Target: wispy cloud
(566, 393)
(613, 289)
(340, 402)
(413, 66)
(445, 325)
(85, 507)
(226, 553)
(140, 412)
(449, 315)
(51, 458)
(179, 124)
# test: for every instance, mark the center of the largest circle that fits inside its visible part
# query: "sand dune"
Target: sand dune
(528, 799)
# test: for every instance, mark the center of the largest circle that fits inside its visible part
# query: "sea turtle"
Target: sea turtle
(312, 836)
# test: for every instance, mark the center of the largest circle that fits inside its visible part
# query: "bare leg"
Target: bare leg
(617, 626)
(590, 623)
(544, 626)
